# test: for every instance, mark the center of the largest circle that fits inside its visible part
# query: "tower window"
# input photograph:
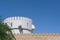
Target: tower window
(20, 29)
(11, 24)
(27, 24)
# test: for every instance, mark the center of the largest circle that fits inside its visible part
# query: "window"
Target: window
(20, 29)
(11, 24)
(27, 24)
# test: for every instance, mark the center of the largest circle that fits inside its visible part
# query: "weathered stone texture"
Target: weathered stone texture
(37, 36)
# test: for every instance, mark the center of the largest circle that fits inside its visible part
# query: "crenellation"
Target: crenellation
(20, 21)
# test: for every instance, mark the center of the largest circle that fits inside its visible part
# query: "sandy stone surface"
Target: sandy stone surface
(37, 36)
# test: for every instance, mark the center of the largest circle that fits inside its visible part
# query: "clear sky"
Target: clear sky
(44, 13)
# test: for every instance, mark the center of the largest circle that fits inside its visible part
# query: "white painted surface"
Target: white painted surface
(15, 22)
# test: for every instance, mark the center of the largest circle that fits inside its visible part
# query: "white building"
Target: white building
(20, 25)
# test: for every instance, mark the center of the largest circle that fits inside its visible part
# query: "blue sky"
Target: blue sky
(44, 13)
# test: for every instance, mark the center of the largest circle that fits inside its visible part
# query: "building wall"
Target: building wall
(27, 25)
(37, 36)
(20, 25)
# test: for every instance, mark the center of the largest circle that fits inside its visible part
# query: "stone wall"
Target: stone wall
(37, 36)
